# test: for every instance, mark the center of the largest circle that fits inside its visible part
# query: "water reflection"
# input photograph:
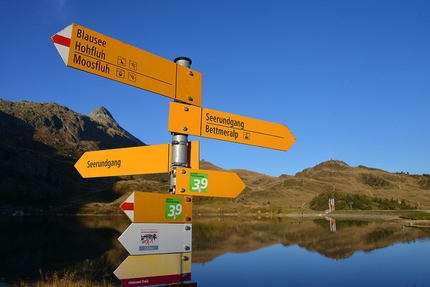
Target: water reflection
(332, 224)
(213, 237)
(90, 246)
(277, 265)
(280, 252)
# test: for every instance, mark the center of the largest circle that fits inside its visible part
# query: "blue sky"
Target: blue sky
(351, 79)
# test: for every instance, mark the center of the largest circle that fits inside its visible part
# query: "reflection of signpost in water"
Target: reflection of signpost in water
(149, 238)
(332, 225)
(138, 270)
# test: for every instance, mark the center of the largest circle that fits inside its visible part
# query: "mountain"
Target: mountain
(40, 143)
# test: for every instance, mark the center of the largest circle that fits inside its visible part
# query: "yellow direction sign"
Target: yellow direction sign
(208, 183)
(124, 161)
(214, 124)
(132, 160)
(139, 270)
(98, 54)
(158, 207)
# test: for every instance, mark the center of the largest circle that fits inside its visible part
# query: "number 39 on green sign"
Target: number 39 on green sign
(199, 182)
(173, 208)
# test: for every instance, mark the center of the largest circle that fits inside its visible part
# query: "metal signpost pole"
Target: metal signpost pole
(179, 152)
(179, 141)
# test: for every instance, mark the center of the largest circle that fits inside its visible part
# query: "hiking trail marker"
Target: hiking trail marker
(214, 124)
(158, 207)
(124, 161)
(95, 53)
(200, 182)
(133, 160)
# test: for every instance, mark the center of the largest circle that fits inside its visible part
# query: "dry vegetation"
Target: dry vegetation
(69, 279)
(284, 194)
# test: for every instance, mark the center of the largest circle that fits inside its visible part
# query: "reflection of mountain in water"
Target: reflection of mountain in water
(89, 246)
(213, 237)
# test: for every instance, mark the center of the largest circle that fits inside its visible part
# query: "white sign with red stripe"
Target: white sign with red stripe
(62, 42)
(128, 207)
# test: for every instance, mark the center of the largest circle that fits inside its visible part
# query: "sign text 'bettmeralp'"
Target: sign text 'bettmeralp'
(224, 126)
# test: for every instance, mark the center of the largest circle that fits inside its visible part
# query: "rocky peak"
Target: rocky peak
(68, 132)
(102, 115)
(39, 144)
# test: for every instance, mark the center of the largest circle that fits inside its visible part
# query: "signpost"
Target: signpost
(158, 208)
(159, 239)
(98, 54)
(214, 124)
(158, 269)
(156, 238)
(132, 160)
(208, 183)
(124, 161)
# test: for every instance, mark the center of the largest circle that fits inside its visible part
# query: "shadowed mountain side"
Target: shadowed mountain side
(213, 237)
(68, 132)
(40, 143)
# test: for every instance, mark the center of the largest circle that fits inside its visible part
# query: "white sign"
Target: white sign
(153, 238)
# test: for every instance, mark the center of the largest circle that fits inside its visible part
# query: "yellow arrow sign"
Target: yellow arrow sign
(98, 54)
(214, 124)
(208, 183)
(148, 270)
(132, 160)
(158, 207)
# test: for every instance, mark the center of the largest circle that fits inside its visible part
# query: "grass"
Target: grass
(417, 215)
(69, 279)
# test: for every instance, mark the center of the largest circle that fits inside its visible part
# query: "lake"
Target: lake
(230, 251)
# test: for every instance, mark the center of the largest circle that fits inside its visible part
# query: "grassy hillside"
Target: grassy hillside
(285, 194)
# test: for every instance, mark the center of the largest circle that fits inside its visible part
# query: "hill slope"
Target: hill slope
(284, 193)
(40, 142)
